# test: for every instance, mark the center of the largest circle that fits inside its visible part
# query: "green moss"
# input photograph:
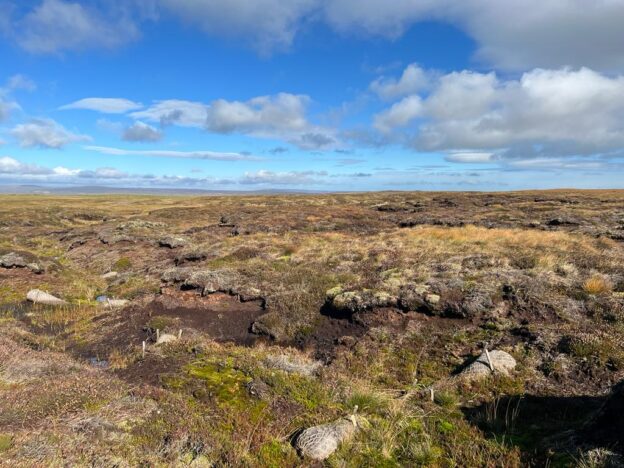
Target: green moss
(123, 264)
(6, 441)
(160, 323)
(276, 454)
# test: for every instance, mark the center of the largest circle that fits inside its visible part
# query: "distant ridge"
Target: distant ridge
(103, 190)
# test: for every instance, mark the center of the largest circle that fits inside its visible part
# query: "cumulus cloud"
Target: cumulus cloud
(104, 105)
(45, 133)
(175, 112)
(282, 178)
(9, 165)
(57, 25)
(282, 116)
(6, 107)
(140, 131)
(261, 115)
(510, 34)
(266, 24)
(413, 80)
(210, 155)
(544, 112)
(514, 34)
(399, 115)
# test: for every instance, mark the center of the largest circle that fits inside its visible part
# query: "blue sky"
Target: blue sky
(312, 94)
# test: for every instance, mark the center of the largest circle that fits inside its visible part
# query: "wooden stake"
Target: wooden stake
(487, 356)
(432, 393)
(157, 335)
(144, 350)
(180, 334)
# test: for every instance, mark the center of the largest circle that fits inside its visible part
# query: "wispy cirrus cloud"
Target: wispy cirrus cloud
(208, 155)
(104, 105)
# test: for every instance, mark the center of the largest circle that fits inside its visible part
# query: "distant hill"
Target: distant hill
(103, 190)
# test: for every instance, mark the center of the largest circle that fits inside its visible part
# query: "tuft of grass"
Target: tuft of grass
(596, 285)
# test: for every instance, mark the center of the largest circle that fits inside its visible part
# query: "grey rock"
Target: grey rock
(12, 260)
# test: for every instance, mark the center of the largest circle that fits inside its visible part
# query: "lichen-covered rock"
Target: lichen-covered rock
(12, 260)
(294, 364)
(502, 362)
(40, 297)
(166, 338)
(319, 442)
(272, 325)
(172, 242)
(351, 302)
(191, 256)
(35, 268)
(111, 275)
(208, 281)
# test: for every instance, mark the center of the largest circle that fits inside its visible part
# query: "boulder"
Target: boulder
(40, 297)
(172, 242)
(319, 442)
(12, 260)
(502, 363)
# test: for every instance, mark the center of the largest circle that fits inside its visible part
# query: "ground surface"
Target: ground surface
(285, 312)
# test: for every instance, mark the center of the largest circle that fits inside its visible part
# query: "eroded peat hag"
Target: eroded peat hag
(392, 329)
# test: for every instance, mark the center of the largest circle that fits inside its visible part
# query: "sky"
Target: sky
(328, 95)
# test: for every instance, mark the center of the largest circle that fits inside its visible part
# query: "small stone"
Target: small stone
(166, 338)
(35, 268)
(110, 275)
(432, 299)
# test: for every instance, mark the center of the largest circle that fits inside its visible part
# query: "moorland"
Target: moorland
(448, 329)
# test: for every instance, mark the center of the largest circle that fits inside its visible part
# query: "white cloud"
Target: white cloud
(469, 157)
(58, 25)
(212, 155)
(21, 82)
(399, 115)
(140, 131)
(45, 133)
(266, 24)
(545, 112)
(174, 111)
(6, 107)
(511, 34)
(9, 165)
(282, 178)
(282, 116)
(264, 115)
(104, 105)
(414, 79)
